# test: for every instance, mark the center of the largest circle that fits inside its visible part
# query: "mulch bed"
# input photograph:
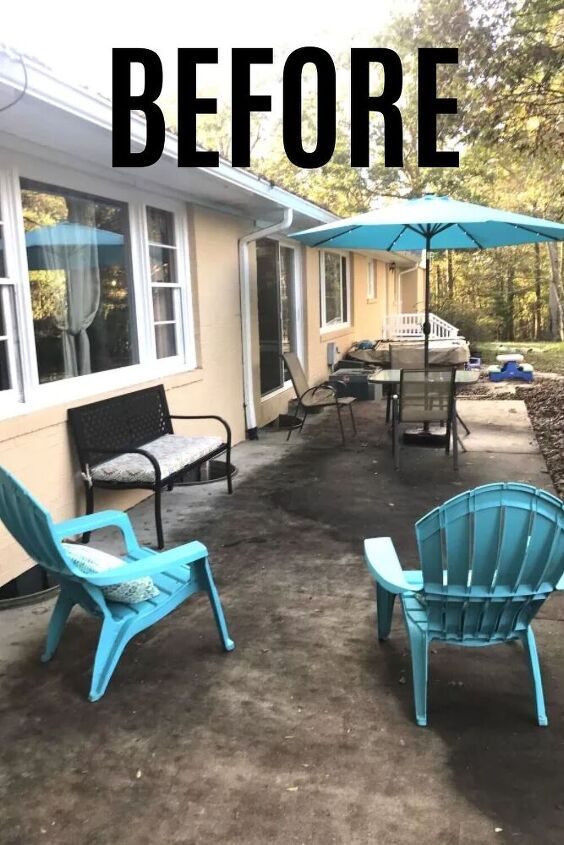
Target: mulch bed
(545, 404)
(544, 399)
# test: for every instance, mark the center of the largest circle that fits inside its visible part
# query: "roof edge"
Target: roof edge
(43, 84)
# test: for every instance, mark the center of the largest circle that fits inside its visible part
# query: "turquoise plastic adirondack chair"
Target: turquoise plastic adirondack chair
(177, 573)
(489, 559)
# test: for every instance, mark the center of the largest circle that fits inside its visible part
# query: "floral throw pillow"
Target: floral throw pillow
(90, 561)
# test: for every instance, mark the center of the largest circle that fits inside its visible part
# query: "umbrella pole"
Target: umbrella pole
(427, 324)
(425, 437)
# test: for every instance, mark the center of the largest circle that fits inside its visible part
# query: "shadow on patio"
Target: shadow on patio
(304, 734)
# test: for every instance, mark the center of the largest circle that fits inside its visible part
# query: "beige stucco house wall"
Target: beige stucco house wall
(36, 446)
(412, 291)
(61, 136)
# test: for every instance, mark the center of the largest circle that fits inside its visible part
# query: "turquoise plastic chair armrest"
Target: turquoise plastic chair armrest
(94, 521)
(385, 568)
(150, 564)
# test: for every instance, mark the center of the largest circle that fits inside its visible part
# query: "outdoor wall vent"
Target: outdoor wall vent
(332, 353)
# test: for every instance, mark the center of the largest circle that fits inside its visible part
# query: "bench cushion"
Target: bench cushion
(172, 451)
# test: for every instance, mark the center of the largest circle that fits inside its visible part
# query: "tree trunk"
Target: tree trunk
(538, 294)
(438, 282)
(556, 293)
(80, 211)
(450, 274)
(509, 313)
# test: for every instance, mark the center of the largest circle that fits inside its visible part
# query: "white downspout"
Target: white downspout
(246, 320)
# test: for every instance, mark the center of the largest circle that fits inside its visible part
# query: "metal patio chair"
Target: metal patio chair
(426, 396)
(411, 356)
(322, 395)
(489, 558)
(174, 576)
(403, 357)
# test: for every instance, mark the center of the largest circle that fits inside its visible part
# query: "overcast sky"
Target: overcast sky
(76, 39)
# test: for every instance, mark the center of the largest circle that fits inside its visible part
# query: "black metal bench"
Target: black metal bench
(127, 442)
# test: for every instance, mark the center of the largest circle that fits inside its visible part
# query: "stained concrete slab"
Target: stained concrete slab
(500, 426)
(305, 733)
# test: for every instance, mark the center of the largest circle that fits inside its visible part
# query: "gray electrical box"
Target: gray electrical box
(353, 382)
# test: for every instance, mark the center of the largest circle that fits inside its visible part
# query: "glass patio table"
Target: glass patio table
(462, 378)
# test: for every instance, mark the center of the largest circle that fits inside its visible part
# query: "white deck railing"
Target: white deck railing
(401, 326)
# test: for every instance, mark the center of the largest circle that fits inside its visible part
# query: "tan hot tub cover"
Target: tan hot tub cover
(450, 352)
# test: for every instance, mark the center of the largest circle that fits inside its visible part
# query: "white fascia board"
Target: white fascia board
(44, 85)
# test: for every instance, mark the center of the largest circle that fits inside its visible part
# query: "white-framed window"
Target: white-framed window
(9, 359)
(166, 291)
(334, 290)
(94, 286)
(9, 353)
(372, 281)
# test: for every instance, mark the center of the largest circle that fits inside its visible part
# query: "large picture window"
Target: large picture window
(94, 288)
(334, 290)
(80, 282)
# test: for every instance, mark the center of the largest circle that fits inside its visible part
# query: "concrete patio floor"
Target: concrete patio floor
(305, 733)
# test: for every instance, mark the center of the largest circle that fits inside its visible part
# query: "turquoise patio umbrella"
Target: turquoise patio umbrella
(431, 222)
(64, 244)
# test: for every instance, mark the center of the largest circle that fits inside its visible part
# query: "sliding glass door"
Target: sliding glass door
(277, 311)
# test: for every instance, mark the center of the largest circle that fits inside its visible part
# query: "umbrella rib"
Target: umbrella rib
(441, 229)
(435, 230)
(397, 237)
(332, 238)
(468, 235)
(534, 232)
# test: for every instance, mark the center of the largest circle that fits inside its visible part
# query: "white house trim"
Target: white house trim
(246, 315)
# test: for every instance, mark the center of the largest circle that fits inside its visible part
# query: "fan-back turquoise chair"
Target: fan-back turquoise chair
(177, 573)
(489, 559)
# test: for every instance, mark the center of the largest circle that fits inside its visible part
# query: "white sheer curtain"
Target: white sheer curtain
(79, 261)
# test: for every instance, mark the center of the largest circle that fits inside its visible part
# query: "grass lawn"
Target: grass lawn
(545, 356)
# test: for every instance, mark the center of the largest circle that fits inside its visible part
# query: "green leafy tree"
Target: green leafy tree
(509, 131)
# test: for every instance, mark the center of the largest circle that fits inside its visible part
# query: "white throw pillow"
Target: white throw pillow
(90, 560)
